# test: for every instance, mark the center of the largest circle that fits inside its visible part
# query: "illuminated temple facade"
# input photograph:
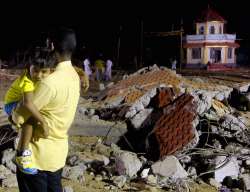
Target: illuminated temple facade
(210, 47)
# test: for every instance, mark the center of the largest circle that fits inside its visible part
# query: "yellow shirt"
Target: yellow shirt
(21, 85)
(99, 64)
(56, 97)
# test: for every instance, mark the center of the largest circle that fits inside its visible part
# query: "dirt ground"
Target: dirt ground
(91, 185)
(94, 186)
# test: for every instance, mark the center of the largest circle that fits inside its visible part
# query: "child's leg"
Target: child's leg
(23, 158)
(98, 75)
(25, 137)
(103, 74)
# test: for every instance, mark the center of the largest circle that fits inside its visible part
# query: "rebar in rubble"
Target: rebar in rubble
(7, 134)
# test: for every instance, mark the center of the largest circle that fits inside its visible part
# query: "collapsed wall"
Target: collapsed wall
(158, 101)
(168, 114)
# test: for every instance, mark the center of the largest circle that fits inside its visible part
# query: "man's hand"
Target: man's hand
(16, 119)
(41, 131)
(85, 83)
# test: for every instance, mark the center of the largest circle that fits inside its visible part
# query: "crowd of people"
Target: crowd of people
(100, 70)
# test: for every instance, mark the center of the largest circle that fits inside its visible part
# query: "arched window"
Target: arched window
(201, 31)
(212, 30)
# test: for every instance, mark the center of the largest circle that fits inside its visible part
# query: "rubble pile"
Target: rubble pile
(179, 132)
(168, 114)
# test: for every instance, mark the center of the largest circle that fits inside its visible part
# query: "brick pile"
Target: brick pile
(132, 88)
(173, 119)
(132, 96)
(143, 83)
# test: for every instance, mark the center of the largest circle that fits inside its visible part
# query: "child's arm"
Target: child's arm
(28, 103)
(84, 82)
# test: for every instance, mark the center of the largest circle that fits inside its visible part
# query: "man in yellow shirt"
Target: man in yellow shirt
(99, 65)
(56, 97)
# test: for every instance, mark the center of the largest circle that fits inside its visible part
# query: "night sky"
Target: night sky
(97, 24)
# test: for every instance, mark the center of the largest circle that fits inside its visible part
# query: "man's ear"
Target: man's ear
(52, 46)
(31, 69)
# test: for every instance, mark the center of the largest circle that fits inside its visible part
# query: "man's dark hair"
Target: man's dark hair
(64, 41)
(40, 58)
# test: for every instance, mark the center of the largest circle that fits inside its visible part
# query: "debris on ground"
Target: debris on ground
(156, 130)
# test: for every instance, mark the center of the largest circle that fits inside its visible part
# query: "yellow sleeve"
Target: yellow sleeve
(41, 97)
(28, 86)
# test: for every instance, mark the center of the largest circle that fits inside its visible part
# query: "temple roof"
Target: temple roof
(210, 15)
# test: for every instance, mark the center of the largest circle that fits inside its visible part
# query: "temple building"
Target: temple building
(211, 47)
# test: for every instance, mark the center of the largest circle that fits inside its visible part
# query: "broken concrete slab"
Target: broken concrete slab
(152, 180)
(233, 123)
(72, 160)
(98, 178)
(212, 115)
(4, 172)
(114, 102)
(243, 88)
(169, 167)
(119, 181)
(140, 118)
(144, 173)
(90, 112)
(127, 164)
(248, 163)
(7, 157)
(203, 100)
(89, 158)
(214, 183)
(68, 189)
(246, 180)
(185, 159)
(220, 96)
(231, 168)
(98, 128)
(8, 179)
(74, 173)
(82, 110)
(192, 172)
